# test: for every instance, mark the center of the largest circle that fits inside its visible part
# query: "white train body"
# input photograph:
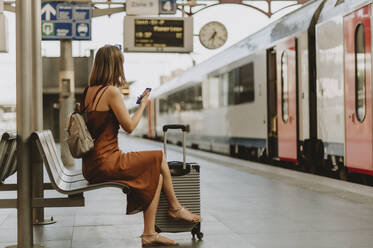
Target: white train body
(290, 82)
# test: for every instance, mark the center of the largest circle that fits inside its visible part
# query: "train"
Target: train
(298, 91)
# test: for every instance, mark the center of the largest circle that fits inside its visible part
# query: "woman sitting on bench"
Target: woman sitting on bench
(145, 172)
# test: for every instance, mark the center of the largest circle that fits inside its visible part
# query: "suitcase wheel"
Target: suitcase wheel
(196, 231)
(199, 235)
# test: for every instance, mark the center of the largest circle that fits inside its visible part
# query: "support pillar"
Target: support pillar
(67, 98)
(24, 89)
(37, 109)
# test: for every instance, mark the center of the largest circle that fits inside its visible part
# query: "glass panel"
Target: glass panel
(223, 90)
(246, 83)
(360, 71)
(284, 87)
(233, 87)
(197, 101)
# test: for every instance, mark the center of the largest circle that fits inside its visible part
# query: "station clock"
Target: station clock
(213, 35)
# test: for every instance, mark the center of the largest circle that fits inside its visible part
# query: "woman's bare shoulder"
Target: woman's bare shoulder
(113, 94)
(112, 90)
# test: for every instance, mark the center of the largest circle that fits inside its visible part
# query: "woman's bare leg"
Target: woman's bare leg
(149, 213)
(171, 196)
(149, 234)
(168, 188)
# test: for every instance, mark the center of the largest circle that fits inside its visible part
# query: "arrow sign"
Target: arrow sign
(48, 10)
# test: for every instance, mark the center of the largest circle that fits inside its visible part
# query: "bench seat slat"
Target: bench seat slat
(8, 145)
(56, 160)
(53, 157)
(57, 179)
(43, 149)
(11, 159)
(56, 155)
(3, 146)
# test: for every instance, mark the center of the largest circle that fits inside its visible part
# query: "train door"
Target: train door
(271, 104)
(287, 100)
(358, 91)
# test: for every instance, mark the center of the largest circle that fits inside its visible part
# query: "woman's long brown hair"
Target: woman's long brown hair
(108, 67)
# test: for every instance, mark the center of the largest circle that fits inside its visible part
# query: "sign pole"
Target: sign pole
(37, 107)
(37, 112)
(67, 99)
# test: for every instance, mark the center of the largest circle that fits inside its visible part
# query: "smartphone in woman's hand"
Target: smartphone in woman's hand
(142, 95)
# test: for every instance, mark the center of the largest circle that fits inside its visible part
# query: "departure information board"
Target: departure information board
(158, 34)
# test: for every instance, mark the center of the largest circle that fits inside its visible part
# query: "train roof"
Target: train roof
(289, 25)
(331, 9)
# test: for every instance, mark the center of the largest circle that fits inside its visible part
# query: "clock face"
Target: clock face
(213, 35)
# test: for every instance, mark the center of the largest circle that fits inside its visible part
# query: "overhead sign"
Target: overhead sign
(3, 34)
(158, 34)
(142, 7)
(62, 21)
(167, 7)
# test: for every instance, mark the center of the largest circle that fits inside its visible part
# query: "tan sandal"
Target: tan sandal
(176, 214)
(155, 240)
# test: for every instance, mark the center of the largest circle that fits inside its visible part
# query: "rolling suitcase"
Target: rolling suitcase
(186, 182)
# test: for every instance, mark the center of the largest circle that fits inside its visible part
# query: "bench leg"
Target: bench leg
(38, 187)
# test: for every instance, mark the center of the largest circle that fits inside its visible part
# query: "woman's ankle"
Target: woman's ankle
(174, 206)
(149, 231)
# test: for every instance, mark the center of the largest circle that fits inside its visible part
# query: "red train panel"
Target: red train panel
(358, 91)
(287, 100)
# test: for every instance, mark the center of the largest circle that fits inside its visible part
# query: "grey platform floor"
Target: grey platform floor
(242, 206)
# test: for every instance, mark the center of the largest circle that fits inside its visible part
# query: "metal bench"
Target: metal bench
(71, 183)
(8, 161)
(63, 180)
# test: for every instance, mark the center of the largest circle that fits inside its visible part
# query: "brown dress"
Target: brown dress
(107, 163)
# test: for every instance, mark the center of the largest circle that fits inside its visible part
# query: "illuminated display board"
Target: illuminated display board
(157, 34)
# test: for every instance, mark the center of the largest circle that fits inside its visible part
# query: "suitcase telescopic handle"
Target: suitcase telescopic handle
(184, 128)
(175, 126)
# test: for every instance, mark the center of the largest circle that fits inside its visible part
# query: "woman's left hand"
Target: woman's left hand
(144, 100)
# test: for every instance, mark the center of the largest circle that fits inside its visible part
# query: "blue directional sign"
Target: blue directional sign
(64, 12)
(82, 30)
(82, 12)
(167, 7)
(48, 11)
(62, 21)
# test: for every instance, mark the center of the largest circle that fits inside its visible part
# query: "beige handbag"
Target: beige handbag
(79, 139)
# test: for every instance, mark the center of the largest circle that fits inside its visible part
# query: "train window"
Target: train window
(197, 97)
(184, 100)
(174, 101)
(223, 90)
(163, 105)
(237, 86)
(233, 87)
(246, 83)
(284, 87)
(360, 72)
